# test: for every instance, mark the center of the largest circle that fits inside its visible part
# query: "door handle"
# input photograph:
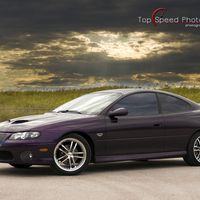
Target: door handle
(158, 124)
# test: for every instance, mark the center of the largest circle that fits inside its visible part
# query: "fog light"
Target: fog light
(26, 155)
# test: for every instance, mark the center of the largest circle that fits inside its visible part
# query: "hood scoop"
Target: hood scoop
(18, 121)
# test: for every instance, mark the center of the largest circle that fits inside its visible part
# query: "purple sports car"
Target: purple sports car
(105, 126)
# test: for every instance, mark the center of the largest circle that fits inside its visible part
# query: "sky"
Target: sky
(61, 44)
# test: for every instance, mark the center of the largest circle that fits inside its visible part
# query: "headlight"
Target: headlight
(24, 135)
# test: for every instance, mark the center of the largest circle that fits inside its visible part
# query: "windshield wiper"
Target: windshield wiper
(65, 111)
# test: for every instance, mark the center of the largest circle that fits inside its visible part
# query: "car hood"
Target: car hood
(34, 121)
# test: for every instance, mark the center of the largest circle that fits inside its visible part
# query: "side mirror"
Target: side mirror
(118, 112)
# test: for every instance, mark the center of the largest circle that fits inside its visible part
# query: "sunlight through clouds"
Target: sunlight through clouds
(65, 44)
(35, 66)
(136, 45)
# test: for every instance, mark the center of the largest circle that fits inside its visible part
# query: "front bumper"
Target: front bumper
(27, 152)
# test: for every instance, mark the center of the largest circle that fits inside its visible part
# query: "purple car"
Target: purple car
(105, 126)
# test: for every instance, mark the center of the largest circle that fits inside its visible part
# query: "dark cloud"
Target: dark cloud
(59, 16)
(44, 33)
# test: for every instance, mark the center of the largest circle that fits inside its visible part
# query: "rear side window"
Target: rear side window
(140, 104)
(170, 104)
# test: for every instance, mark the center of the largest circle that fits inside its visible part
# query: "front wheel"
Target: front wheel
(72, 155)
(193, 151)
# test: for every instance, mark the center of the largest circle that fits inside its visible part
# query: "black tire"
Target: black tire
(193, 151)
(72, 155)
(20, 166)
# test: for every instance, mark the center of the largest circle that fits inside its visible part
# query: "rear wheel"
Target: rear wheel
(193, 151)
(72, 155)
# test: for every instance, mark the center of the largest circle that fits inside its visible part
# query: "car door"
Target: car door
(179, 122)
(141, 131)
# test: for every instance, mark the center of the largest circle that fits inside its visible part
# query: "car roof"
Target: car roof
(126, 91)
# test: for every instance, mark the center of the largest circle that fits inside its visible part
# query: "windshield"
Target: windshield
(91, 104)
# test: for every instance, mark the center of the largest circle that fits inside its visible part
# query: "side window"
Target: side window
(139, 104)
(170, 104)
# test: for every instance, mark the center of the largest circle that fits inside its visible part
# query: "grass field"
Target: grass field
(30, 100)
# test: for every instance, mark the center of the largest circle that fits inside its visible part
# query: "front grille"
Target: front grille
(6, 155)
(2, 137)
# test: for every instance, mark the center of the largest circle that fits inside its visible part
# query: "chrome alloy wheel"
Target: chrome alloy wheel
(193, 151)
(70, 154)
(196, 149)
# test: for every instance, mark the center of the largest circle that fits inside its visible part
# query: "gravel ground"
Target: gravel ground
(156, 179)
